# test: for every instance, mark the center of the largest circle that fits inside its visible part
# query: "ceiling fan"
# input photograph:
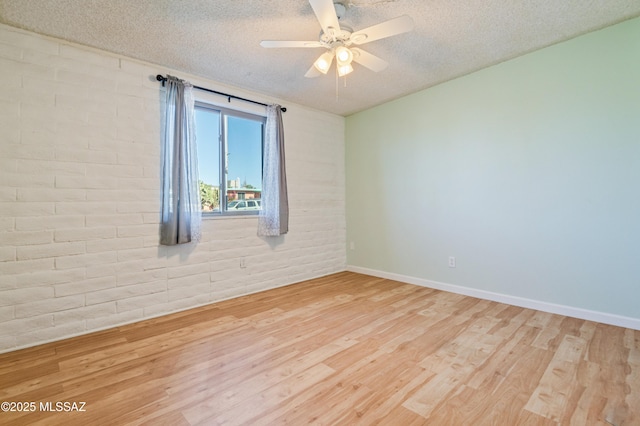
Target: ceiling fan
(338, 40)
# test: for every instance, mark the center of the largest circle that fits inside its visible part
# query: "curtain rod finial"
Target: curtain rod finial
(161, 78)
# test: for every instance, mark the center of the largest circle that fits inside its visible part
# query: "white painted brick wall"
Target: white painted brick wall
(80, 199)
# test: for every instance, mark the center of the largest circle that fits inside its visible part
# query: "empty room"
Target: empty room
(399, 212)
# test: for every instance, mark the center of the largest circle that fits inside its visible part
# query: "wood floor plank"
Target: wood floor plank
(632, 342)
(453, 364)
(559, 381)
(254, 405)
(345, 349)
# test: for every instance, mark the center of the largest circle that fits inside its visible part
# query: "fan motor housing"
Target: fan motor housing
(333, 35)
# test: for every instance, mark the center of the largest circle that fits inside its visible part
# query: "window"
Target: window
(230, 145)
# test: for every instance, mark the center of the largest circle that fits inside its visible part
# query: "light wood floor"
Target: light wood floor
(344, 349)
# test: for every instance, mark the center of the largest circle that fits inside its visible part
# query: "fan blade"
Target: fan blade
(282, 43)
(313, 72)
(326, 14)
(399, 25)
(368, 60)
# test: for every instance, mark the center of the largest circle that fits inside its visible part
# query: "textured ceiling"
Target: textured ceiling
(220, 40)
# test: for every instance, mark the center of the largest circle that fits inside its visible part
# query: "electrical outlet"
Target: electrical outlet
(452, 262)
(352, 245)
(243, 263)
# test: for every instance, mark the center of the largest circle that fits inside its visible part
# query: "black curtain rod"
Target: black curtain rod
(228, 96)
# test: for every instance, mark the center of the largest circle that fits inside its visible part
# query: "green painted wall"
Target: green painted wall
(528, 172)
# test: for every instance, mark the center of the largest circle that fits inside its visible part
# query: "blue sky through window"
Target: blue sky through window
(207, 134)
(244, 151)
(244, 148)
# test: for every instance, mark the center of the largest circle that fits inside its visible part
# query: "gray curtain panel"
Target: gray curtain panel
(181, 211)
(274, 216)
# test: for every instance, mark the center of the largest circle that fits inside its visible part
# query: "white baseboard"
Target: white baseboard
(570, 311)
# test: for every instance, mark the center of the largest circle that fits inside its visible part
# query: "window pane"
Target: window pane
(207, 138)
(244, 158)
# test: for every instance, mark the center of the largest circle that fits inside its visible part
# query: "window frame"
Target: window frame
(223, 162)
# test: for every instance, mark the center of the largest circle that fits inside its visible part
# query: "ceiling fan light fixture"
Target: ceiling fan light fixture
(344, 56)
(339, 39)
(323, 63)
(344, 70)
